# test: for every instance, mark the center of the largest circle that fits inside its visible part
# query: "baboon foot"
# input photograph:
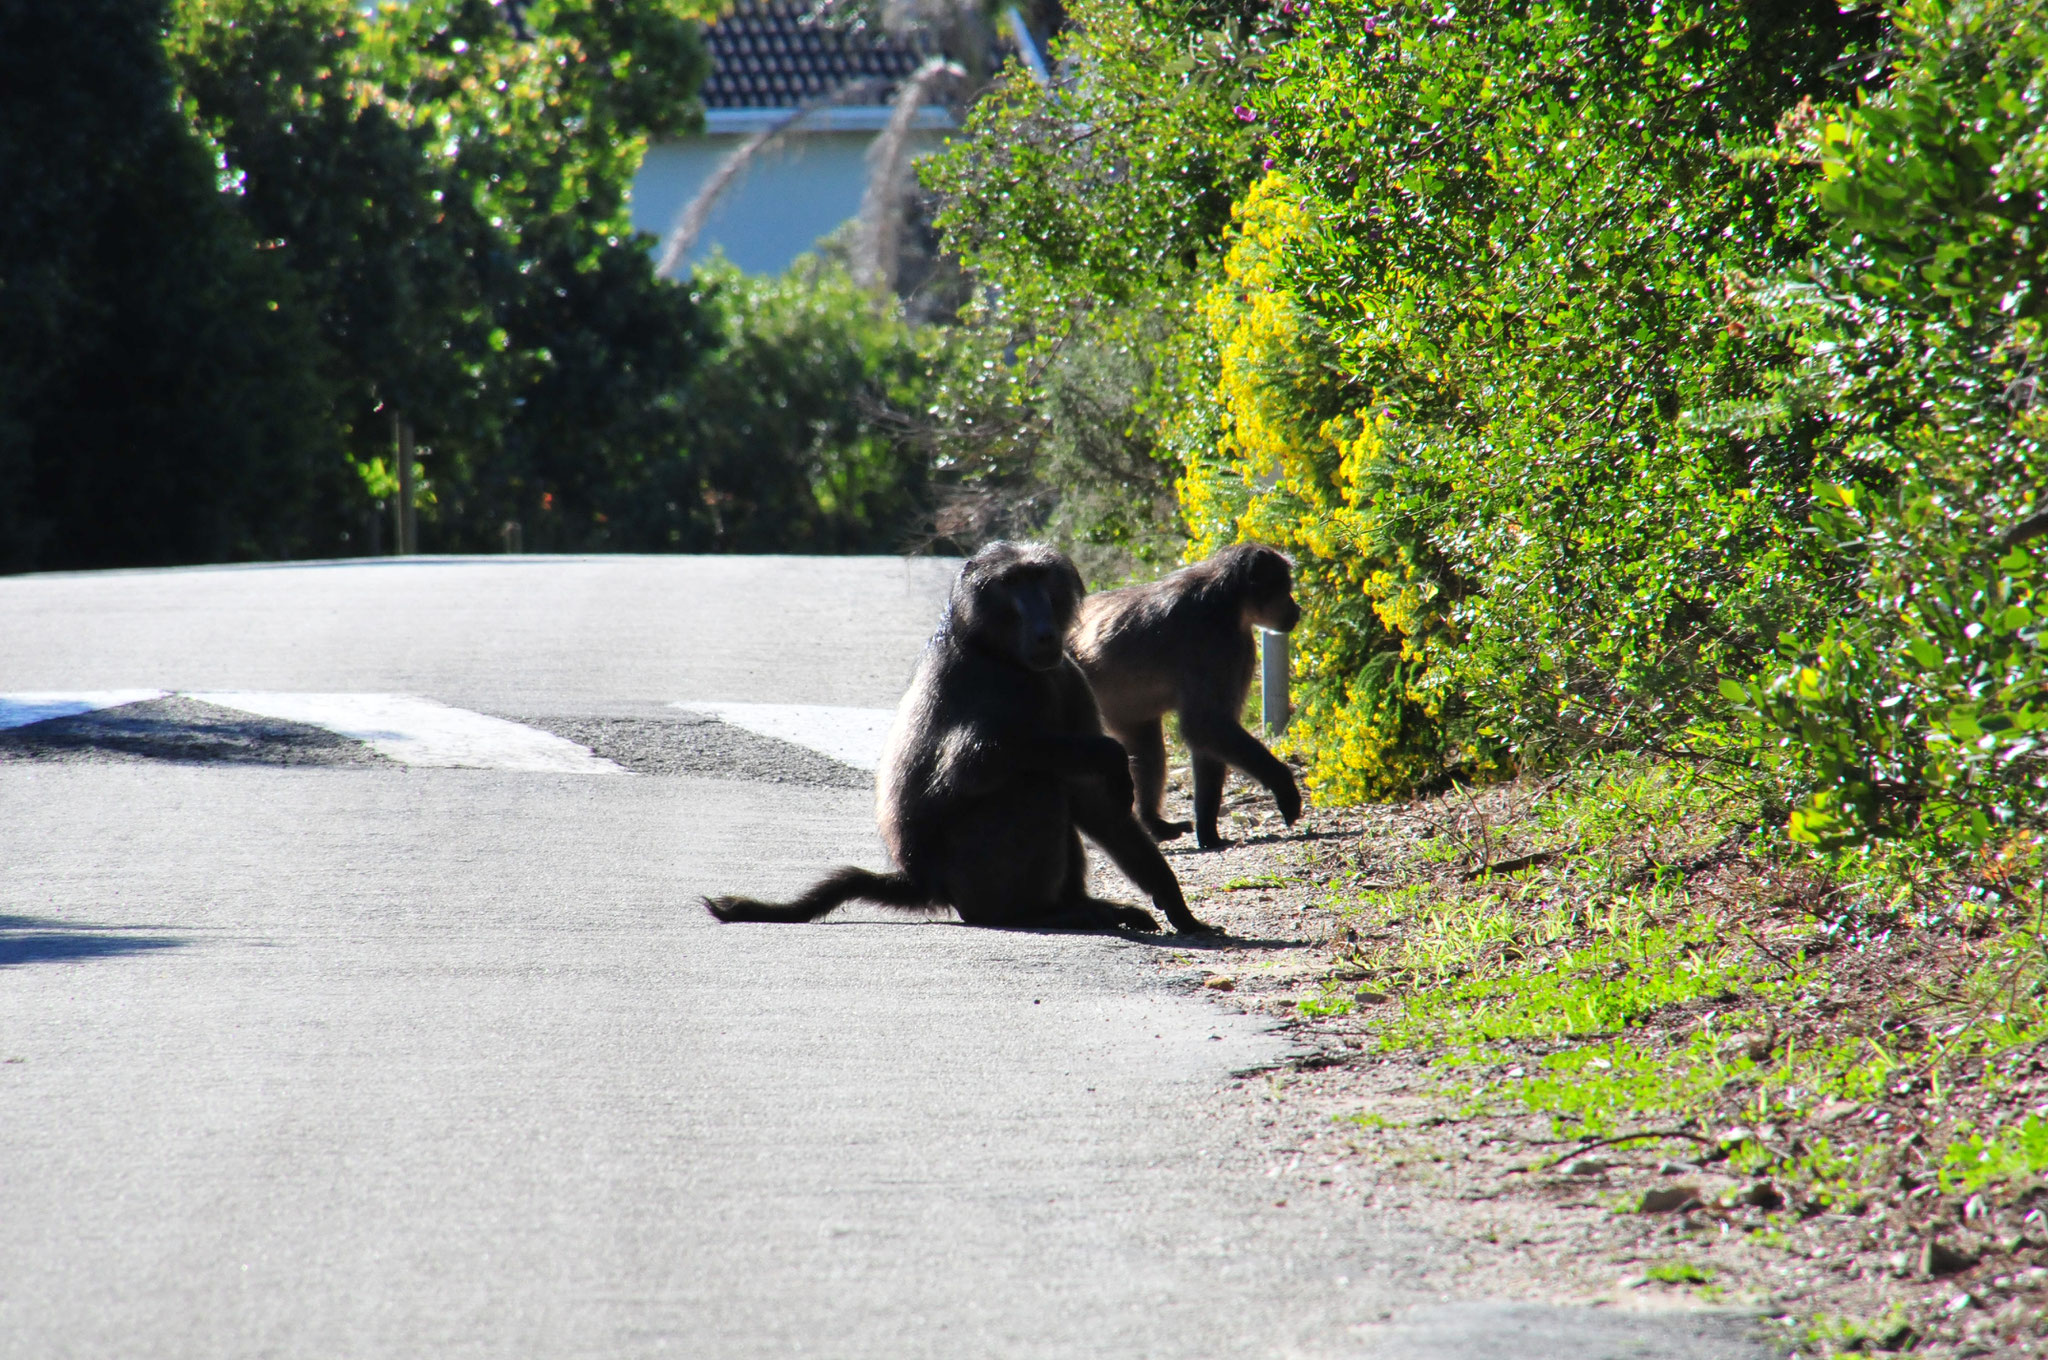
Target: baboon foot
(1212, 841)
(1137, 918)
(1167, 831)
(1189, 924)
(1117, 916)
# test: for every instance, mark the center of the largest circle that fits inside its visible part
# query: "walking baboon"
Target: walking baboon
(995, 767)
(1184, 645)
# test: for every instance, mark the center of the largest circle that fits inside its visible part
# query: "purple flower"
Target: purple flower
(1244, 115)
(1266, 164)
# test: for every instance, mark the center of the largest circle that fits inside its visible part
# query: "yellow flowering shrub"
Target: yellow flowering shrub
(1291, 466)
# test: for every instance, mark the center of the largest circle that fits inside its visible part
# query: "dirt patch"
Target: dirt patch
(184, 731)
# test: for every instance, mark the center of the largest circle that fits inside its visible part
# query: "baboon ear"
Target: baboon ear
(1071, 588)
(1276, 570)
(1241, 574)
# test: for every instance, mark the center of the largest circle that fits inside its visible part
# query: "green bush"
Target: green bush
(1918, 711)
(1492, 275)
(1645, 378)
(1092, 214)
(796, 433)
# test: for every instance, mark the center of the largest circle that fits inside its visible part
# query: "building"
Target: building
(766, 63)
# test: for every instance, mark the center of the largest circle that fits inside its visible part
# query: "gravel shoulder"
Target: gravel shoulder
(1715, 1215)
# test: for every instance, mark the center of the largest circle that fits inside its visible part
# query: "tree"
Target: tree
(153, 407)
(449, 188)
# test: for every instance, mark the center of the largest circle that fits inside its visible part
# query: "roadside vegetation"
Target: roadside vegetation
(1613, 1013)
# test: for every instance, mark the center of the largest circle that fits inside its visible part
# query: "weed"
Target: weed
(1846, 1335)
(2007, 1154)
(1333, 1000)
(1680, 1272)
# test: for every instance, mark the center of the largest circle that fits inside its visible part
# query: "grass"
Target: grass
(1848, 1058)
(1847, 1336)
(1672, 967)
(2005, 1155)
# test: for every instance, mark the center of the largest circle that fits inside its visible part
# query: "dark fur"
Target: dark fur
(995, 767)
(1184, 645)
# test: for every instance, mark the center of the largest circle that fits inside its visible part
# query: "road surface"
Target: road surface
(317, 1043)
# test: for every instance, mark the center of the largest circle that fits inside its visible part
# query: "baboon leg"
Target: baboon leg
(1080, 913)
(1224, 740)
(1130, 847)
(991, 892)
(1209, 776)
(1090, 913)
(1147, 744)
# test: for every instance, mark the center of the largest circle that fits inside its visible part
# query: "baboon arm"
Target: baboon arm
(1227, 740)
(1110, 824)
(987, 760)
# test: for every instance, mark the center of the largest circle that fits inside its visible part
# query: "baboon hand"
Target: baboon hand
(1116, 779)
(1288, 798)
(1137, 918)
(1187, 923)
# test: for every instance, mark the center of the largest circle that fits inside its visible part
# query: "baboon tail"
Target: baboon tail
(841, 885)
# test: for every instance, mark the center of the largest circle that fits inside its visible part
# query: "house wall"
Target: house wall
(779, 208)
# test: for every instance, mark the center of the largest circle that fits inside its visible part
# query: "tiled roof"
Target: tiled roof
(764, 56)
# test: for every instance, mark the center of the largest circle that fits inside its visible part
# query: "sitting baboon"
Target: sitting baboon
(1184, 644)
(995, 767)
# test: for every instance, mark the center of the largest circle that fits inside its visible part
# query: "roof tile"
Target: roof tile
(764, 54)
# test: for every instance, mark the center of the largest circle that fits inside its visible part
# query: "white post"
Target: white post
(1274, 709)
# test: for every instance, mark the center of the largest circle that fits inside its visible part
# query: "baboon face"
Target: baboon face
(1019, 600)
(1269, 592)
(1027, 607)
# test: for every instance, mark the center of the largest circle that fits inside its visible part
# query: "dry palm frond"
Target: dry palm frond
(881, 209)
(689, 223)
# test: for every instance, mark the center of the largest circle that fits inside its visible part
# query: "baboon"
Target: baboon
(1184, 644)
(995, 767)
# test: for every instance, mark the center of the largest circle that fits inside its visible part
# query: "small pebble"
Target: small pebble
(1668, 1198)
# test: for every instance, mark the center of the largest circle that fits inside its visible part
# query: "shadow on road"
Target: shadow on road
(1166, 939)
(30, 939)
(1176, 848)
(1222, 939)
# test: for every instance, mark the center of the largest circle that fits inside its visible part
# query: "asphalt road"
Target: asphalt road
(336, 1057)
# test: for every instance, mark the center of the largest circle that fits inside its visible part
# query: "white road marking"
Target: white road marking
(21, 709)
(417, 731)
(851, 736)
